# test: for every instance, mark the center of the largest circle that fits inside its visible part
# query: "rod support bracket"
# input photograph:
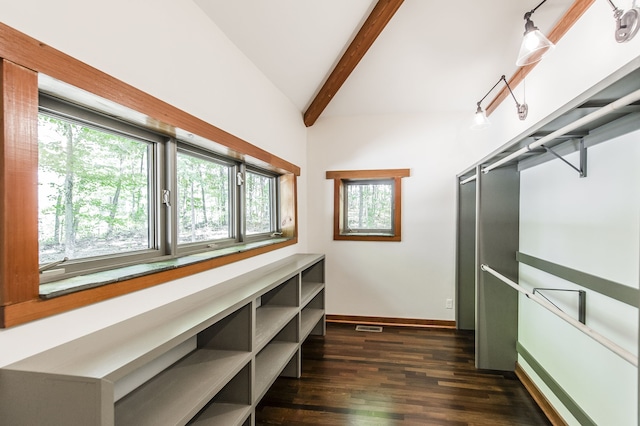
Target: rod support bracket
(582, 300)
(582, 170)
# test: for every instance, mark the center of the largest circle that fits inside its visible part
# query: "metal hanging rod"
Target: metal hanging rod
(469, 179)
(615, 348)
(605, 110)
(582, 170)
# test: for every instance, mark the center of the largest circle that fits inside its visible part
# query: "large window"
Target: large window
(113, 194)
(367, 204)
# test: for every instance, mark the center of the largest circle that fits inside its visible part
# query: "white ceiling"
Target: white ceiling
(432, 56)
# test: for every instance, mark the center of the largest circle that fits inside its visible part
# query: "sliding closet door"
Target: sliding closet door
(466, 258)
(497, 202)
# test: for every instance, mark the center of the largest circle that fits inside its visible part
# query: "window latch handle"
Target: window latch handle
(166, 197)
(52, 264)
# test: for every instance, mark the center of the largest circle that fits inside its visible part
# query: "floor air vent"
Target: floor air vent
(369, 328)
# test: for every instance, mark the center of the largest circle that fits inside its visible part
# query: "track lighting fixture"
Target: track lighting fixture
(534, 43)
(481, 121)
(627, 23)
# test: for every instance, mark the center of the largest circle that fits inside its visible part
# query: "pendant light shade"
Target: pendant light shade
(534, 44)
(480, 120)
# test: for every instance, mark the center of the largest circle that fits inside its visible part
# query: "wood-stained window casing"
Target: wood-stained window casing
(339, 177)
(22, 59)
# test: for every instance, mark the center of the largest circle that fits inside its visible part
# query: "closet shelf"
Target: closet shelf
(309, 290)
(180, 391)
(270, 320)
(223, 414)
(270, 362)
(309, 319)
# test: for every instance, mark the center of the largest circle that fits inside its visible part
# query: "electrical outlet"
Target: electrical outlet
(449, 304)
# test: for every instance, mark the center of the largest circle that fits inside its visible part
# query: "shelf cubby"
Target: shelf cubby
(177, 393)
(276, 309)
(285, 294)
(277, 358)
(311, 282)
(309, 291)
(231, 406)
(312, 317)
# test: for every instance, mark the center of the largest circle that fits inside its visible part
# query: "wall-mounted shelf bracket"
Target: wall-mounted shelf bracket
(582, 300)
(582, 171)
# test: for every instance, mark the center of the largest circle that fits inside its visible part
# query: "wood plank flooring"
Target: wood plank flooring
(402, 376)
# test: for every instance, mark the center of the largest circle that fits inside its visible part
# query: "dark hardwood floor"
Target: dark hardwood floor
(402, 376)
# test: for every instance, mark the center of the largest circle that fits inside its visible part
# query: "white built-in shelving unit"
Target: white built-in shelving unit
(206, 359)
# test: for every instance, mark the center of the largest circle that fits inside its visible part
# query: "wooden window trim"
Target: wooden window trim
(22, 58)
(338, 186)
(18, 184)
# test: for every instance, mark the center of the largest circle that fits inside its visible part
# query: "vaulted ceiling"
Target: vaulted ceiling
(432, 56)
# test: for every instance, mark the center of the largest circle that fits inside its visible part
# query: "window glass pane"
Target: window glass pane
(93, 191)
(259, 208)
(369, 206)
(203, 199)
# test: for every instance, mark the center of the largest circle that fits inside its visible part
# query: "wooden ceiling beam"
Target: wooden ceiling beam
(575, 11)
(371, 29)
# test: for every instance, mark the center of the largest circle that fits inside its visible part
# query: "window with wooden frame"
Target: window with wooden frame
(367, 204)
(142, 157)
(109, 194)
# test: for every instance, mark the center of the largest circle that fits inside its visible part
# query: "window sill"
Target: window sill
(83, 282)
(367, 234)
(366, 237)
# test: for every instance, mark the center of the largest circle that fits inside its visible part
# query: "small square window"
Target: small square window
(367, 204)
(368, 207)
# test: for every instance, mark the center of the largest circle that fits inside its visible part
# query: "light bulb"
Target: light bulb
(531, 40)
(480, 120)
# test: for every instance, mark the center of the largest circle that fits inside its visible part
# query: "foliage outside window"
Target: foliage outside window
(260, 196)
(367, 204)
(368, 207)
(93, 191)
(204, 199)
(107, 199)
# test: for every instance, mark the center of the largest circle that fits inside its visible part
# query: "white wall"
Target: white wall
(407, 279)
(169, 49)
